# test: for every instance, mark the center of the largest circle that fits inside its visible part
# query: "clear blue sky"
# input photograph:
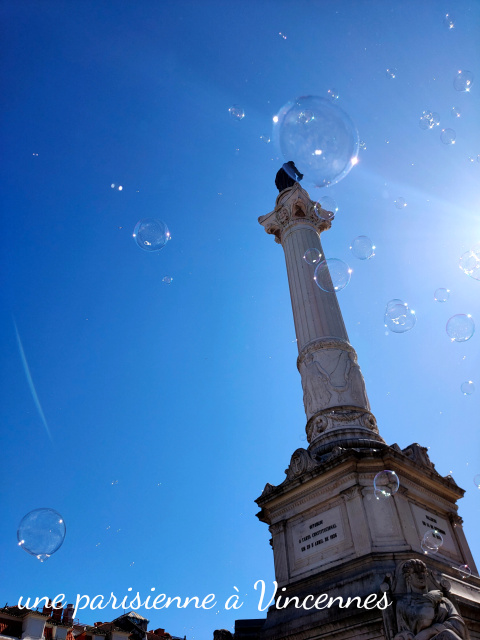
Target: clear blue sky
(188, 394)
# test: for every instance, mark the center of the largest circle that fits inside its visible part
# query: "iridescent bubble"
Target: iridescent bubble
(398, 317)
(449, 21)
(332, 94)
(464, 571)
(441, 295)
(392, 303)
(467, 388)
(463, 81)
(362, 145)
(435, 119)
(470, 262)
(432, 541)
(332, 275)
(400, 203)
(456, 113)
(312, 256)
(362, 248)
(385, 484)
(236, 112)
(265, 139)
(448, 136)
(476, 480)
(151, 234)
(460, 327)
(391, 73)
(167, 279)
(41, 532)
(319, 137)
(326, 208)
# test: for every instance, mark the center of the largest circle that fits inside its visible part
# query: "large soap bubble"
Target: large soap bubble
(432, 541)
(470, 262)
(398, 317)
(41, 532)
(319, 137)
(385, 484)
(332, 275)
(460, 327)
(151, 234)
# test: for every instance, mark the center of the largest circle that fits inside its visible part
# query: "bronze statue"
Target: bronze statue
(287, 176)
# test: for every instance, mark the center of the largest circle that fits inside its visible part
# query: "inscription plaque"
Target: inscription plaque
(318, 533)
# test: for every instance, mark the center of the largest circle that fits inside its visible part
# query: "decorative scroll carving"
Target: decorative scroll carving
(300, 462)
(340, 416)
(267, 490)
(421, 608)
(419, 455)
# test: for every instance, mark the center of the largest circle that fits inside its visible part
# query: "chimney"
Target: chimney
(68, 614)
(57, 612)
(47, 608)
(97, 624)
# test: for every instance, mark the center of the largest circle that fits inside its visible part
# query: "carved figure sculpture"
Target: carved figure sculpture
(316, 394)
(222, 634)
(420, 613)
(287, 176)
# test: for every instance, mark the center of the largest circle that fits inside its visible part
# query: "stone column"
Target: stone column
(334, 395)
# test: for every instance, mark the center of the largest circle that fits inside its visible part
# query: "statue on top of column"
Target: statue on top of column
(287, 176)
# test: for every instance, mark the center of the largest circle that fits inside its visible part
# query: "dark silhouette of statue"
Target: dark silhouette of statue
(287, 176)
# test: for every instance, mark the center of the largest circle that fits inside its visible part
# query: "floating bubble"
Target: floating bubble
(460, 327)
(332, 94)
(120, 188)
(362, 248)
(391, 73)
(400, 203)
(441, 295)
(398, 317)
(236, 112)
(332, 275)
(467, 388)
(448, 136)
(326, 208)
(167, 279)
(151, 234)
(112, 185)
(312, 256)
(449, 21)
(464, 571)
(429, 119)
(41, 532)
(432, 541)
(265, 139)
(463, 81)
(456, 113)
(476, 480)
(470, 263)
(320, 138)
(362, 145)
(392, 303)
(385, 484)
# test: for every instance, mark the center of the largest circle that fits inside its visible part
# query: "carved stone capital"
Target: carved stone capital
(455, 519)
(352, 492)
(278, 527)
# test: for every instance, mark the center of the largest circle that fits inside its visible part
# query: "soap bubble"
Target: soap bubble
(429, 119)
(398, 317)
(463, 81)
(362, 248)
(319, 137)
(385, 484)
(460, 327)
(332, 94)
(167, 279)
(456, 113)
(400, 203)
(151, 234)
(362, 145)
(332, 275)
(464, 571)
(441, 295)
(391, 73)
(448, 136)
(265, 139)
(467, 388)
(476, 480)
(41, 532)
(326, 208)
(432, 541)
(470, 262)
(236, 112)
(312, 256)
(449, 21)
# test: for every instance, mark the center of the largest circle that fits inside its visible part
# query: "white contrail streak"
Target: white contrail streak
(33, 391)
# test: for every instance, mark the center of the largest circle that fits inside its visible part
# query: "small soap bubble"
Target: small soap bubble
(332, 94)
(120, 188)
(441, 295)
(448, 136)
(463, 570)
(463, 81)
(304, 117)
(41, 533)
(460, 327)
(312, 256)
(362, 145)
(467, 388)
(362, 248)
(391, 73)
(385, 484)
(282, 35)
(449, 21)
(326, 208)
(151, 234)
(432, 541)
(476, 480)
(400, 203)
(332, 275)
(398, 317)
(167, 279)
(112, 186)
(236, 112)
(470, 262)
(265, 139)
(456, 113)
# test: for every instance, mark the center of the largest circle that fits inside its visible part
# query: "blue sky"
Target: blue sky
(186, 396)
